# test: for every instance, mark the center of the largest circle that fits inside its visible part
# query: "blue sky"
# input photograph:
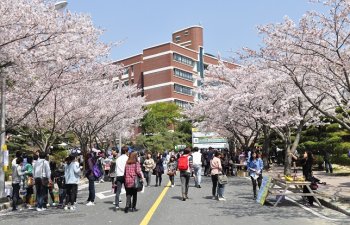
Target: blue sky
(228, 25)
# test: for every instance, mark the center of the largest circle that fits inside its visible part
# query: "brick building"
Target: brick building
(169, 72)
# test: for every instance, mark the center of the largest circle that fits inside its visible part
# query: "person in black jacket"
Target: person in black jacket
(159, 170)
(307, 163)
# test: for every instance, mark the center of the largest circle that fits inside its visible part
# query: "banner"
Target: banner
(264, 190)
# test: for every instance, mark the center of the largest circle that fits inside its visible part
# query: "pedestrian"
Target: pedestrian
(120, 172)
(142, 161)
(197, 166)
(255, 167)
(185, 165)
(307, 163)
(71, 177)
(61, 183)
(327, 161)
(42, 174)
(132, 170)
(91, 177)
(112, 171)
(53, 168)
(149, 166)
(217, 190)
(209, 157)
(100, 163)
(159, 169)
(29, 181)
(172, 167)
(16, 180)
(106, 167)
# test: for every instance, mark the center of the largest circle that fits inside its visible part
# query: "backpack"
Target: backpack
(182, 163)
(96, 171)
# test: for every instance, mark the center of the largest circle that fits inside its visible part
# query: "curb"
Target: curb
(333, 206)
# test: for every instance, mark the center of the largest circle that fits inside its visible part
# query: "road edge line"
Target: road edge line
(155, 205)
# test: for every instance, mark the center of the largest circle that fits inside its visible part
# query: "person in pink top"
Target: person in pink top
(216, 170)
(132, 169)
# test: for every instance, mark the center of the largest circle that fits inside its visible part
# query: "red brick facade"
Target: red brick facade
(169, 72)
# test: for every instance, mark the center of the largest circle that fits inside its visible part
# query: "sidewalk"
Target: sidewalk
(335, 194)
(5, 203)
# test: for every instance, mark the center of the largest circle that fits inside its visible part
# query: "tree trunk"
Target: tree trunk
(287, 157)
(266, 146)
(84, 151)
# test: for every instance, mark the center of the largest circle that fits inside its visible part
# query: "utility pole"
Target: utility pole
(3, 150)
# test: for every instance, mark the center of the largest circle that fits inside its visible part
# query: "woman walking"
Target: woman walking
(255, 167)
(159, 170)
(91, 177)
(132, 170)
(149, 166)
(216, 170)
(172, 166)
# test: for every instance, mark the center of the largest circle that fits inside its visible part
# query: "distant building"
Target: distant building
(169, 72)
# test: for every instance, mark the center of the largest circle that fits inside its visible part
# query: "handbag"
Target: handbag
(222, 179)
(30, 181)
(313, 186)
(138, 184)
(44, 180)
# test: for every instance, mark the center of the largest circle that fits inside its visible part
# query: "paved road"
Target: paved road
(199, 209)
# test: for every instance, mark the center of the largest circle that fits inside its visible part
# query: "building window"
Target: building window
(183, 74)
(177, 39)
(183, 59)
(125, 71)
(186, 33)
(182, 104)
(182, 89)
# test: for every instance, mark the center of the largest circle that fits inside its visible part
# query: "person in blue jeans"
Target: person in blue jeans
(255, 168)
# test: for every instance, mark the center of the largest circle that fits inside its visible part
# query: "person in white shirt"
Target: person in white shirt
(197, 166)
(120, 169)
(42, 175)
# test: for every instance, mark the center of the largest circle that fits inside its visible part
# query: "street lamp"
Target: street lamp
(61, 5)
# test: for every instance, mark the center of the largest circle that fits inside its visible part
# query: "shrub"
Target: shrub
(343, 159)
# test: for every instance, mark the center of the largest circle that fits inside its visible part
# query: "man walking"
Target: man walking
(120, 169)
(197, 166)
(185, 166)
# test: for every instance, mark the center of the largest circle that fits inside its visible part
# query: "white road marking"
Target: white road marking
(101, 194)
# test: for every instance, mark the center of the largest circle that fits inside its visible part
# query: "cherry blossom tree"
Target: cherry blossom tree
(217, 109)
(41, 51)
(255, 93)
(105, 110)
(314, 54)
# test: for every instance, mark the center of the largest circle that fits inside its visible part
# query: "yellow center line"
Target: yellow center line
(155, 205)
